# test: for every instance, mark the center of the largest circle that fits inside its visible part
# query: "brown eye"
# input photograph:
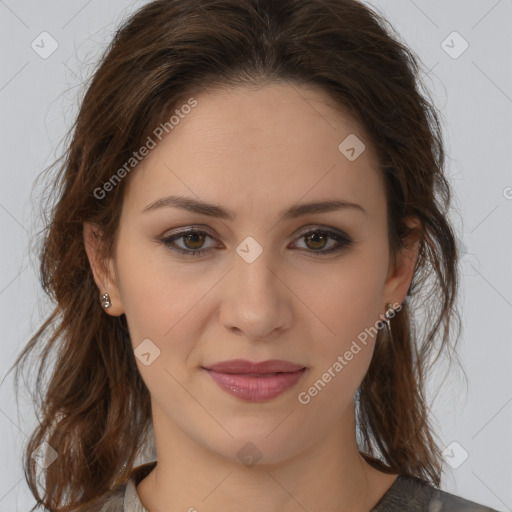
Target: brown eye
(194, 240)
(191, 242)
(316, 240)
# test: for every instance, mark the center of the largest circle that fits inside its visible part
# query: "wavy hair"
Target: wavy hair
(94, 409)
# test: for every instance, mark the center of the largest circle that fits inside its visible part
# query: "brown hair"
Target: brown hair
(95, 409)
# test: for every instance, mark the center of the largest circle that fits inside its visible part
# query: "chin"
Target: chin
(258, 443)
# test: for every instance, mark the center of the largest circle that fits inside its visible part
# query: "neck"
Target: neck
(328, 475)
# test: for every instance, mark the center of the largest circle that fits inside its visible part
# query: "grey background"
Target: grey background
(38, 101)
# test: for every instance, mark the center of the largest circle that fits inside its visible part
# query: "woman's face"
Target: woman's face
(267, 286)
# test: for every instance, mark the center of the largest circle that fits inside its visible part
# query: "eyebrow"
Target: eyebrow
(217, 211)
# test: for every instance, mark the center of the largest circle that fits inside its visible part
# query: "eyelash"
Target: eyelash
(343, 240)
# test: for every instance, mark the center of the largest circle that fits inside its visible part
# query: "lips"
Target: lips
(255, 382)
(248, 367)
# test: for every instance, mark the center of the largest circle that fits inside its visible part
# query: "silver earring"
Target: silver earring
(390, 313)
(105, 301)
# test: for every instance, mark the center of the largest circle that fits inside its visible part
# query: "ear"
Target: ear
(104, 272)
(401, 273)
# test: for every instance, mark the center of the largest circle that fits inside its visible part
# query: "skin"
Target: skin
(255, 151)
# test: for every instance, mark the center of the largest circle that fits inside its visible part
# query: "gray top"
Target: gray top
(406, 494)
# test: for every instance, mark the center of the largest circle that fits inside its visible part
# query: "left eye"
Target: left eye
(315, 240)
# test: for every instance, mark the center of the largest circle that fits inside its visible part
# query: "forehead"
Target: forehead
(272, 144)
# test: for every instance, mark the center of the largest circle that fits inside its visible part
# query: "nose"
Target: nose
(257, 301)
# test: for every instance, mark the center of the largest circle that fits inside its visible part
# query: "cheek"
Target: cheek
(348, 304)
(349, 309)
(155, 297)
(346, 299)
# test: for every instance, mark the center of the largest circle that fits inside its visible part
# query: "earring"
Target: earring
(390, 313)
(105, 301)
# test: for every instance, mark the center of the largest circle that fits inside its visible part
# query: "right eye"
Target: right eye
(193, 240)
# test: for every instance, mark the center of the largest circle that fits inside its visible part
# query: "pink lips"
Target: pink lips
(255, 381)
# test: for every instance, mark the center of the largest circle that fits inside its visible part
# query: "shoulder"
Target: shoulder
(123, 497)
(112, 501)
(415, 495)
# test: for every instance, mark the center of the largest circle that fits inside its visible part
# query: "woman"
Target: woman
(251, 209)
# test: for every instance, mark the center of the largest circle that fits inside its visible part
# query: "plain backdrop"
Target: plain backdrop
(465, 50)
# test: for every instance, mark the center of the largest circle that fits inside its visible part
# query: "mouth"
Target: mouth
(255, 382)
